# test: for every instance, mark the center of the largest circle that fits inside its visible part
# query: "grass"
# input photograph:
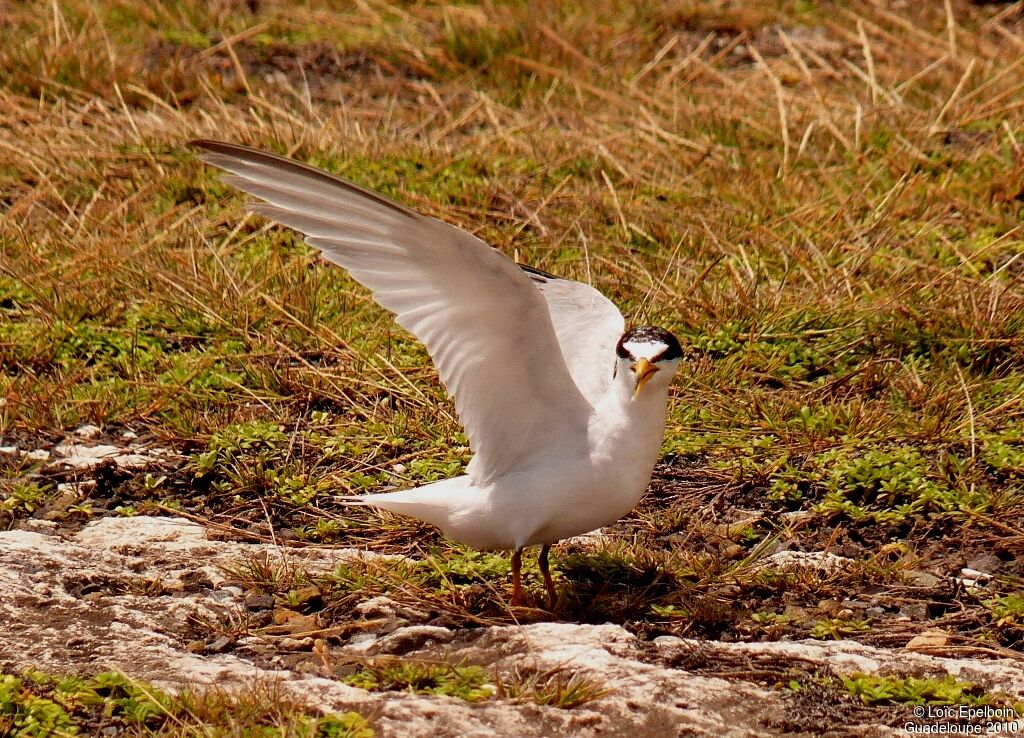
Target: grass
(389, 675)
(551, 688)
(41, 705)
(556, 687)
(822, 200)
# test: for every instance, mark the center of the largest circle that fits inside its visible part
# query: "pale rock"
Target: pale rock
(591, 541)
(80, 456)
(386, 608)
(928, 640)
(975, 575)
(920, 578)
(406, 639)
(822, 561)
(37, 455)
(296, 644)
(146, 636)
(667, 641)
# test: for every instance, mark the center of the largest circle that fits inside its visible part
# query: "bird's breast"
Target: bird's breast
(573, 489)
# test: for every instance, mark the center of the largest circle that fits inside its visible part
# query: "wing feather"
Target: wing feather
(588, 326)
(486, 326)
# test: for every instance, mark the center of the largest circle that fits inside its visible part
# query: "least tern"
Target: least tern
(563, 407)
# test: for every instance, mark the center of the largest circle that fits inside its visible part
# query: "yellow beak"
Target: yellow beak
(644, 370)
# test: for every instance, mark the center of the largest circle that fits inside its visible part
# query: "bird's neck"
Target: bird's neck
(628, 426)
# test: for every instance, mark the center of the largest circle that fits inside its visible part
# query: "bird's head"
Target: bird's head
(647, 358)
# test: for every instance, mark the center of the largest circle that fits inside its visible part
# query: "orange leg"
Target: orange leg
(549, 585)
(517, 578)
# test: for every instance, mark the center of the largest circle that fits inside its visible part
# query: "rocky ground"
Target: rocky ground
(162, 599)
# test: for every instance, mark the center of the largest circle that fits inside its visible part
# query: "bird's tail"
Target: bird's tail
(434, 503)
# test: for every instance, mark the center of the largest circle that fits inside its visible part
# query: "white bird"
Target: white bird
(564, 410)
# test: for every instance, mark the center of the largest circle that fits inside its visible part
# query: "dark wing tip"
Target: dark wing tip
(538, 275)
(223, 147)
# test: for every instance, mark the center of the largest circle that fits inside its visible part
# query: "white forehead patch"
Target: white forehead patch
(644, 349)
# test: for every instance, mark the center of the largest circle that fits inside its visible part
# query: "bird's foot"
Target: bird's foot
(552, 601)
(518, 600)
(549, 584)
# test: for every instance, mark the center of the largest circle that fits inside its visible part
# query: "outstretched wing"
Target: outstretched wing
(588, 326)
(486, 326)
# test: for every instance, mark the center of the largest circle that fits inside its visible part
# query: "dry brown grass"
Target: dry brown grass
(822, 199)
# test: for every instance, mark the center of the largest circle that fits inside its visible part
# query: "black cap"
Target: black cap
(652, 335)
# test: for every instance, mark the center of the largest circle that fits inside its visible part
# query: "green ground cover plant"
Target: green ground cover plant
(38, 705)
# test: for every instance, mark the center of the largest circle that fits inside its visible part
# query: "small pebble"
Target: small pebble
(927, 640)
(988, 563)
(733, 551)
(296, 644)
(919, 578)
(914, 611)
(667, 641)
(88, 431)
(969, 573)
(259, 602)
(220, 645)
